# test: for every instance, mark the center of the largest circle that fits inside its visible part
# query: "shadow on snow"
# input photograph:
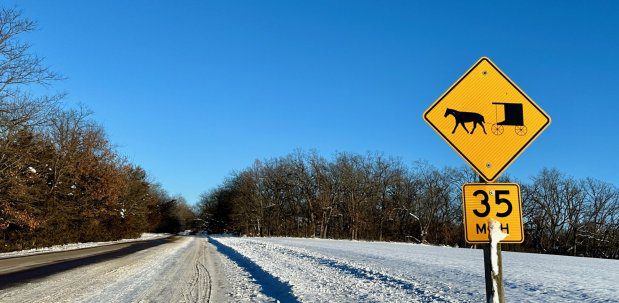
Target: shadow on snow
(271, 285)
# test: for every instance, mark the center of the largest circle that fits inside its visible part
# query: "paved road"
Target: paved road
(20, 269)
(176, 269)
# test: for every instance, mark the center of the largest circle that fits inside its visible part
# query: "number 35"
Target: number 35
(498, 201)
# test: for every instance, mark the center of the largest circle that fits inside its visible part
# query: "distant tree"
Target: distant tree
(378, 198)
(599, 230)
(184, 213)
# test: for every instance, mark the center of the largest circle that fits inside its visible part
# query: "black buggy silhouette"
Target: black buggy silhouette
(513, 117)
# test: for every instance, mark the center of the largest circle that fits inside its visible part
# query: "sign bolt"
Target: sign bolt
(488, 165)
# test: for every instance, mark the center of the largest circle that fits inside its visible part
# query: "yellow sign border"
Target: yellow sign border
(466, 234)
(502, 169)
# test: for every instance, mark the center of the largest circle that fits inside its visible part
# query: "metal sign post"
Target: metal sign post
(491, 279)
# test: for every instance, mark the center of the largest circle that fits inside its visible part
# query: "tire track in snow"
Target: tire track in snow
(116, 280)
(194, 290)
(173, 272)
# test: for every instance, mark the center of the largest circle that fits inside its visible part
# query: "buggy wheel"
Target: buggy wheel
(521, 130)
(497, 129)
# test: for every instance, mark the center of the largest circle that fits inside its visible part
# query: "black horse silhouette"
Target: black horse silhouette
(464, 117)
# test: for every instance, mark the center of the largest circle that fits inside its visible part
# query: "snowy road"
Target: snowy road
(313, 270)
(184, 270)
(229, 269)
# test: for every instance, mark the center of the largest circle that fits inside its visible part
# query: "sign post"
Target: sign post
(489, 121)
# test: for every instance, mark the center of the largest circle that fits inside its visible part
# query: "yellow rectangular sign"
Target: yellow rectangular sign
(499, 201)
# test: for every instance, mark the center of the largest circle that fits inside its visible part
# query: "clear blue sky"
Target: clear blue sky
(192, 90)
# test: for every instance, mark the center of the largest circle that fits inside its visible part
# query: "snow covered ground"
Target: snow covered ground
(314, 270)
(72, 246)
(231, 269)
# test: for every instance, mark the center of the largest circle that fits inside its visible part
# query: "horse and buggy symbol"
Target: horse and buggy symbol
(513, 117)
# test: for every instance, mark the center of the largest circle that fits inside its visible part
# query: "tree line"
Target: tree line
(373, 197)
(61, 180)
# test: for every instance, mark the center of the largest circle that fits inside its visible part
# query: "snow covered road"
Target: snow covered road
(183, 270)
(314, 270)
(230, 269)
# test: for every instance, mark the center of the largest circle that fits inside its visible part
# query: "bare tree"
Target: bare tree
(377, 198)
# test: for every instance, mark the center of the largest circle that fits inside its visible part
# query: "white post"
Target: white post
(496, 235)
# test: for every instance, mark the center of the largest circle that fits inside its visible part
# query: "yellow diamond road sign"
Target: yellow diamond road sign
(487, 119)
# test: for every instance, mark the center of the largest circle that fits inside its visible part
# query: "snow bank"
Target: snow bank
(72, 246)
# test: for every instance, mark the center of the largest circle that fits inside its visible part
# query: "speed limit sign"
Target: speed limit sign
(485, 201)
